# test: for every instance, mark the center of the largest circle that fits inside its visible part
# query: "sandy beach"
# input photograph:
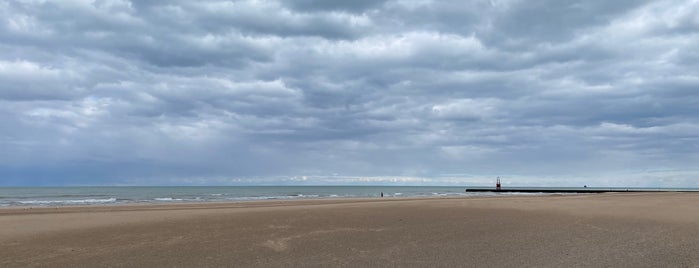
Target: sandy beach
(612, 230)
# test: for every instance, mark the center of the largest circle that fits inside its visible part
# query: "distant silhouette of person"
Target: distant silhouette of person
(381, 194)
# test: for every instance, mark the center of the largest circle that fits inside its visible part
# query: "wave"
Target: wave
(74, 201)
(116, 195)
(276, 197)
(167, 199)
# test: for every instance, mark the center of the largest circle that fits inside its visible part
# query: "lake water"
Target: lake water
(63, 196)
(67, 196)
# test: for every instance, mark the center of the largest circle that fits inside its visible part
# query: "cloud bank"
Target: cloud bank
(416, 92)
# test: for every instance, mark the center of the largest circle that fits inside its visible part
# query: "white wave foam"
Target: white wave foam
(167, 199)
(76, 201)
(251, 198)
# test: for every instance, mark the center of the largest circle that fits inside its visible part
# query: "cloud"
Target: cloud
(234, 92)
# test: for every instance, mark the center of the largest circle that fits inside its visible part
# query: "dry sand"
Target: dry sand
(613, 230)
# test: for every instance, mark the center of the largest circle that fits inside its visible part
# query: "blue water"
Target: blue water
(66, 196)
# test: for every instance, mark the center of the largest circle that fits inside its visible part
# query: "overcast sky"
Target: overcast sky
(550, 92)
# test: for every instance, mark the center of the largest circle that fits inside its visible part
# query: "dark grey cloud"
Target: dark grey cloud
(531, 23)
(334, 5)
(437, 92)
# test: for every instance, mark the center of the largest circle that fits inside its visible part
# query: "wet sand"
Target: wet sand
(619, 230)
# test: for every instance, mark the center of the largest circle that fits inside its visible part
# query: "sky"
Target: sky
(395, 92)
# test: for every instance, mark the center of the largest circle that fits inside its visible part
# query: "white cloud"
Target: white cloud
(467, 109)
(22, 69)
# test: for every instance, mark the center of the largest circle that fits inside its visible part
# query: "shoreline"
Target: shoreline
(235, 204)
(615, 229)
(94, 196)
(278, 200)
(78, 196)
(267, 202)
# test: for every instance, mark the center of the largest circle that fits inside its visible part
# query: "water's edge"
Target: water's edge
(80, 196)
